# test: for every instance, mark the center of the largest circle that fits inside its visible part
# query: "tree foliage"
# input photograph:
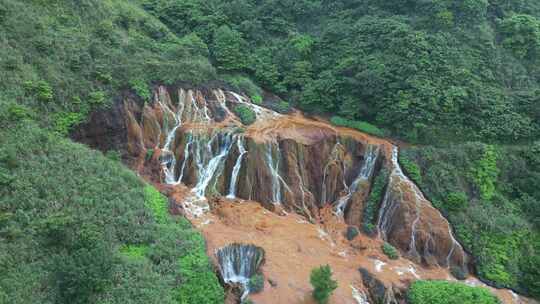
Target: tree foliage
(323, 284)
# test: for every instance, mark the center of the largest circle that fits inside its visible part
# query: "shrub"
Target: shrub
(443, 292)
(411, 168)
(156, 202)
(64, 122)
(113, 155)
(149, 154)
(140, 87)
(456, 201)
(358, 125)
(352, 232)
(246, 114)
(256, 283)
(96, 98)
(485, 173)
(41, 90)
(257, 99)
(373, 202)
(390, 251)
(282, 107)
(323, 284)
(134, 251)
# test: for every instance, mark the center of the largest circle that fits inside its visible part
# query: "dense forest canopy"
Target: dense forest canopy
(424, 69)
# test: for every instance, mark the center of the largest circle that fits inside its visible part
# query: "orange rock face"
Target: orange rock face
(310, 179)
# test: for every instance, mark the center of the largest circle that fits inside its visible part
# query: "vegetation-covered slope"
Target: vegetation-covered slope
(65, 58)
(426, 69)
(77, 227)
(491, 195)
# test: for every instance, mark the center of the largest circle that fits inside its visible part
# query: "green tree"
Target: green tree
(323, 284)
(229, 49)
(485, 173)
(521, 35)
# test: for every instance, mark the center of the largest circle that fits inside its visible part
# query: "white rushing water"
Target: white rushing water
(334, 158)
(237, 166)
(168, 160)
(359, 296)
(207, 169)
(364, 174)
(274, 171)
(238, 263)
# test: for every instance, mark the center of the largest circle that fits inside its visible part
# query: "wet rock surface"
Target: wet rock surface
(312, 179)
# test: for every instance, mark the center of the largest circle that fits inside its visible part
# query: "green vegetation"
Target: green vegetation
(443, 292)
(428, 71)
(390, 251)
(323, 284)
(256, 283)
(411, 169)
(64, 59)
(257, 99)
(490, 195)
(246, 114)
(358, 125)
(374, 201)
(78, 227)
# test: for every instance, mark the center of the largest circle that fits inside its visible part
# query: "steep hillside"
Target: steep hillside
(78, 227)
(427, 70)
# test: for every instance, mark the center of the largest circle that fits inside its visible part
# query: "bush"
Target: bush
(358, 125)
(411, 169)
(256, 283)
(323, 284)
(140, 87)
(443, 292)
(246, 114)
(456, 201)
(352, 232)
(374, 200)
(156, 202)
(257, 99)
(485, 172)
(390, 251)
(42, 90)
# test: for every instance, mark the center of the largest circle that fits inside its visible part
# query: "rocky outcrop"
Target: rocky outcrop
(191, 137)
(408, 221)
(380, 292)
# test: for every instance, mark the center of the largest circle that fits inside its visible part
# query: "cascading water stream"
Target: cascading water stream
(334, 158)
(237, 166)
(207, 170)
(260, 112)
(363, 175)
(238, 263)
(391, 204)
(274, 171)
(168, 160)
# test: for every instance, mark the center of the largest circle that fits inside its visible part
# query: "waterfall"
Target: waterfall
(260, 112)
(391, 204)
(186, 157)
(168, 159)
(363, 175)
(276, 189)
(238, 263)
(237, 167)
(277, 180)
(359, 296)
(334, 157)
(208, 169)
